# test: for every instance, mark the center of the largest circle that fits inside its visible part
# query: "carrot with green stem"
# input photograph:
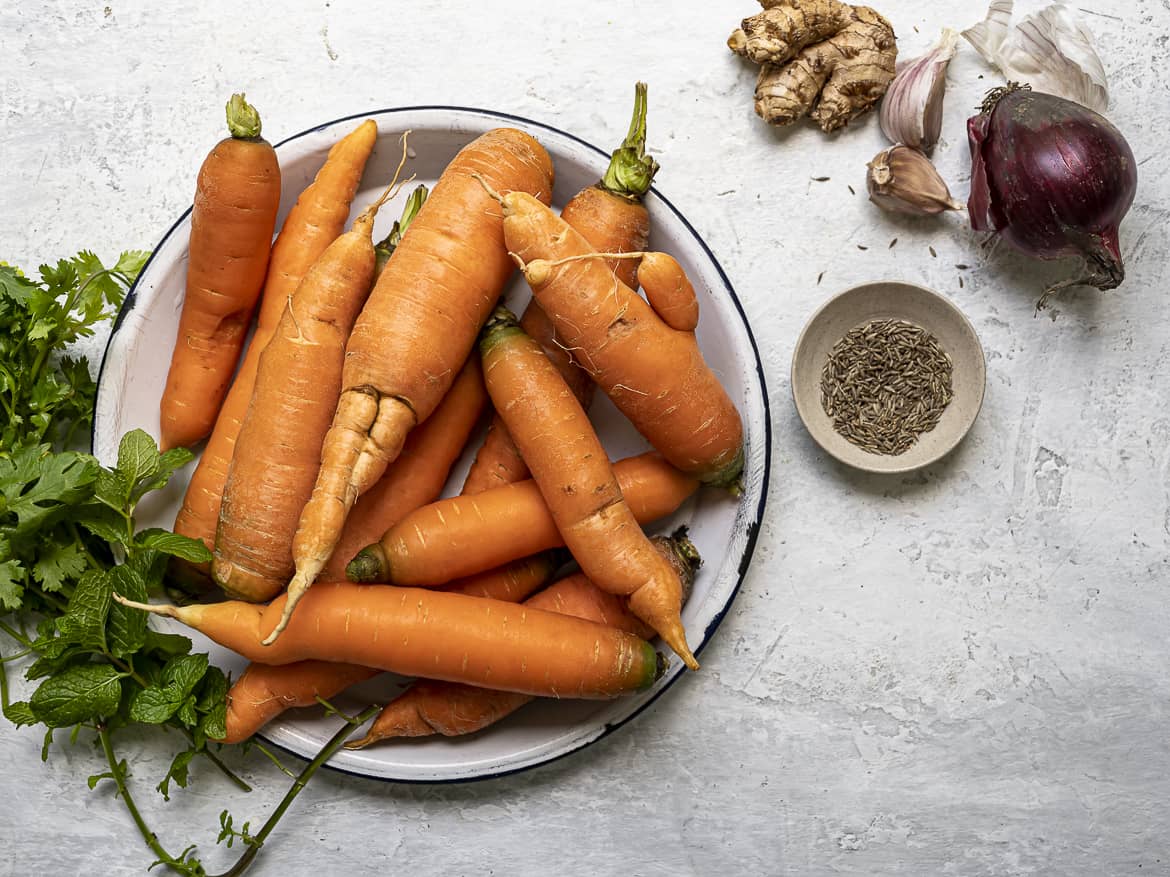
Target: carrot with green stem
(237, 195)
(409, 631)
(465, 535)
(416, 477)
(611, 216)
(312, 224)
(415, 332)
(575, 477)
(430, 707)
(655, 375)
(297, 384)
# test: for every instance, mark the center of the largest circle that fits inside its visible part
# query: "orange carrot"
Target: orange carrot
(415, 332)
(431, 707)
(575, 477)
(236, 198)
(297, 385)
(416, 477)
(669, 291)
(654, 374)
(263, 692)
(611, 216)
(312, 224)
(513, 581)
(463, 535)
(409, 631)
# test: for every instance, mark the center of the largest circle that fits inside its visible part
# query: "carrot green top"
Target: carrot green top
(631, 170)
(242, 119)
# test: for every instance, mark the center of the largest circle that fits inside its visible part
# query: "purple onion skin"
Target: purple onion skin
(1053, 179)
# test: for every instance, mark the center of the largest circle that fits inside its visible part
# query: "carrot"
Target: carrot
(409, 631)
(669, 291)
(418, 475)
(463, 535)
(513, 581)
(312, 224)
(263, 692)
(237, 195)
(654, 374)
(611, 216)
(414, 333)
(297, 385)
(452, 709)
(575, 477)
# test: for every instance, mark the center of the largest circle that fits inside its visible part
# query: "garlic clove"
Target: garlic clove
(902, 179)
(911, 111)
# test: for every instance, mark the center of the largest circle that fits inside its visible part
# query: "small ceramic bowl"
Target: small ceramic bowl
(890, 300)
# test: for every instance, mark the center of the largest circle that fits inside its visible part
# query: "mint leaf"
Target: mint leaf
(178, 772)
(126, 627)
(154, 705)
(20, 713)
(103, 522)
(175, 545)
(138, 458)
(84, 622)
(171, 695)
(77, 694)
(168, 462)
(167, 643)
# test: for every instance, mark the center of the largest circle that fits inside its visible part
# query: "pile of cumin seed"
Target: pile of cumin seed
(885, 383)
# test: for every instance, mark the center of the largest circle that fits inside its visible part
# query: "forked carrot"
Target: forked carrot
(415, 332)
(464, 535)
(416, 477)
(297, 385)
(409, 631)
(312, 224)
(237, 195)
(575, 477)
(430, 707)
(654, 374)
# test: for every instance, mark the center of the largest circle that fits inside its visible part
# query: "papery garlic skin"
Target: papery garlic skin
(911, 111)
(1051, 50)
(902, 179)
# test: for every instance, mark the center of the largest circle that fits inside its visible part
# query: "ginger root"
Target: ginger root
(821, 58)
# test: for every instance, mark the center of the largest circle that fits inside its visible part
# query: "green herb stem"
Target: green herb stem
(120, 780)
(327, 752)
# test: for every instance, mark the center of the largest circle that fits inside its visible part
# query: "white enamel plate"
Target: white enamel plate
(722, 527)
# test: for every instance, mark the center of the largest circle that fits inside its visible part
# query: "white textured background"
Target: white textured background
(959, 672)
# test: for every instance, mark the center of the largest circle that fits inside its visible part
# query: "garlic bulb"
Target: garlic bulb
(912, 108)
(903, 180)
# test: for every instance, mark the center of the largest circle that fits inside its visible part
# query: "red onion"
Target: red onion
(1052, 178)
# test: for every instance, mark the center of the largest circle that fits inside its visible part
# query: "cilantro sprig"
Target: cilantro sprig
(69, 541)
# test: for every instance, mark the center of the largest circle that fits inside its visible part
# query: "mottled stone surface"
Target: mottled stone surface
(958, 672)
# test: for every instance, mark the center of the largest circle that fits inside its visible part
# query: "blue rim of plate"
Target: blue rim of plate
(753, 525)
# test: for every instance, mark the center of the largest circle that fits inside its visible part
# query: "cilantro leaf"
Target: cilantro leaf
(58, 564)
(11, 585)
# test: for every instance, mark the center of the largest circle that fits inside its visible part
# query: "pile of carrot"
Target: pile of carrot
(371, 365)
